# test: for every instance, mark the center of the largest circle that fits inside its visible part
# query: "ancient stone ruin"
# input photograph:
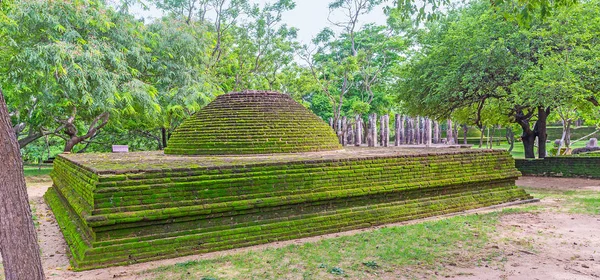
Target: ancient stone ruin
(214, 188)
(252, 123)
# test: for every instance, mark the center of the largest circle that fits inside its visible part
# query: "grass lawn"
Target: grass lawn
(362, 256)
(519, 151)
(37, 170)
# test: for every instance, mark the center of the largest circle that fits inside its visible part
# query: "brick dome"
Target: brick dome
(252, 122)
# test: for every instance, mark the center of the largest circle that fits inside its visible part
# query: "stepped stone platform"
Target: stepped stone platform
(118, 209)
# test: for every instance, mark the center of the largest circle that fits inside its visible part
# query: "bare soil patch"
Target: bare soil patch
(559, 184)
(540, 246)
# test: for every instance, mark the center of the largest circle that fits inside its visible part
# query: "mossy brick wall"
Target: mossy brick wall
(116, 219)
(587, 166)
(252, 123)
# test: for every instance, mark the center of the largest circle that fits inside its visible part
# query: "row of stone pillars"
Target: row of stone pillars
(408, 131)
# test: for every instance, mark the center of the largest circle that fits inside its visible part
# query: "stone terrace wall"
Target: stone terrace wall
(123, 218)
(564, 166)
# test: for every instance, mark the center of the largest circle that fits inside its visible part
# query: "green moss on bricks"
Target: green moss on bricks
(252, 123)
(175, 206)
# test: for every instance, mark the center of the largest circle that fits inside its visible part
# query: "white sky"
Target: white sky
(309, 16)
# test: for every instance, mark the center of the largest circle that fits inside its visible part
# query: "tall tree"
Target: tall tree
(18, 239)
(78, 62)
(476, 57)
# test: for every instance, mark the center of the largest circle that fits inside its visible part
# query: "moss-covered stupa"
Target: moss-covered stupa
(252, 122)
(116, 209)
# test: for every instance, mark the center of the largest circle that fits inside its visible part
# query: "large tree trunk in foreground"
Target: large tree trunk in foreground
(18, 240)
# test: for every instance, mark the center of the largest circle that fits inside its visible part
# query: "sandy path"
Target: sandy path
(559, 184)
(569, 242)
(541, 246)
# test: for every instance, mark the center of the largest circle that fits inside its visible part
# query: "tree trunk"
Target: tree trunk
(18, 240)
(568, 135)
(491, 136)
(510, 138)
(343, 131)
(23, 142)
(529, 144)
(163, 136)
(540, 130)
(482, 130)
(71, 129)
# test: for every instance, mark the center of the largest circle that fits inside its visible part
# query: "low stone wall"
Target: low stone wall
(564, 166)
(117, 210)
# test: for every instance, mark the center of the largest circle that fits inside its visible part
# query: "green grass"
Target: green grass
(572, 201)
(427, 245)
(519, 151)
(36, 170)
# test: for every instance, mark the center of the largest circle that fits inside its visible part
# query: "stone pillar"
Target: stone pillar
(436, 132)
(381, 130)
(428, 132)
(417, 129)
(349, 132)
(398, 130)
(449, 133)
(358, 135)
(409, 131)
(385, 140)
(374, 130)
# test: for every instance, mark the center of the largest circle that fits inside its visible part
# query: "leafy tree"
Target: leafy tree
(177, 67)
(353, 70)
(75, 63)
(476, 57)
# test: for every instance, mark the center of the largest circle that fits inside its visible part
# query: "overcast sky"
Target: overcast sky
(309, 16)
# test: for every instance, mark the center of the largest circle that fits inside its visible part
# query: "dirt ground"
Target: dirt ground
(539, 245)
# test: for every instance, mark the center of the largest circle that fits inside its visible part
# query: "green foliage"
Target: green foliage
(479, 68)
